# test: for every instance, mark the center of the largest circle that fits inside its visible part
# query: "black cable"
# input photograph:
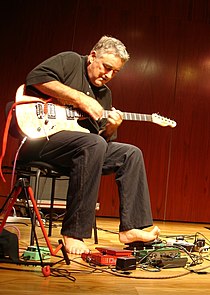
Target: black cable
(127, 274)
(106, 230)
(64, 273)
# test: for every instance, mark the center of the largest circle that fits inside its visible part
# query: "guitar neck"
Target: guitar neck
(131, 116)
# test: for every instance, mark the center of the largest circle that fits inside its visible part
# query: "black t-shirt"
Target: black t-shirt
(70, 69)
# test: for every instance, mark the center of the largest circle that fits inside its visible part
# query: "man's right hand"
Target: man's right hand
(90, 106)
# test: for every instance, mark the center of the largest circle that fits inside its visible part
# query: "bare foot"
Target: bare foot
(135, 235)
(75, 246)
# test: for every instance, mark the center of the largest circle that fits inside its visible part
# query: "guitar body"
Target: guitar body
(34, 125)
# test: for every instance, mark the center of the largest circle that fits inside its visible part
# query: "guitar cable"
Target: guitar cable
(15, 161)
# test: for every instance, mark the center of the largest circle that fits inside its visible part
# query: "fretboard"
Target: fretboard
(131, 116)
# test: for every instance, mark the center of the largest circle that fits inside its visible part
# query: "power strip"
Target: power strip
(17, 219)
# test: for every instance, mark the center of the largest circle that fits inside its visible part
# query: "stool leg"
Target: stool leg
(36, 192)
(95, 231)
(51, 206)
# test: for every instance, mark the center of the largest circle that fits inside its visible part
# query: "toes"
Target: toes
(77, 250)
(80, 251)
(75, 246)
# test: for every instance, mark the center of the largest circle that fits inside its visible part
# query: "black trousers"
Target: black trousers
(86, 157)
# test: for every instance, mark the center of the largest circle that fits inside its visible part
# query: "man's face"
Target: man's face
(101, 69)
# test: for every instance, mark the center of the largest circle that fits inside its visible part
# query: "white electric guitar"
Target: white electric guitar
(38, 119)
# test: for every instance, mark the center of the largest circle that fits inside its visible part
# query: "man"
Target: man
(77, 80)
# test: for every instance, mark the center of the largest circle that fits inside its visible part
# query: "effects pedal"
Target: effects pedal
(158, 254)
(142, 245)
(166, 257)
(105, 256)
(32, 253)
(180, 243)
(170, 263)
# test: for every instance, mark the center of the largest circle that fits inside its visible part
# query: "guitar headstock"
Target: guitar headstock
(163, 121)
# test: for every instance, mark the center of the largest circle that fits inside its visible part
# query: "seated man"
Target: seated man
(76, 80)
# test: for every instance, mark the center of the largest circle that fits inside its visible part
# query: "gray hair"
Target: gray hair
(111, 45)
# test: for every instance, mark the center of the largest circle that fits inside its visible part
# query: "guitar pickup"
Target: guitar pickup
(70, 112)
(40, 112)
(51, 111)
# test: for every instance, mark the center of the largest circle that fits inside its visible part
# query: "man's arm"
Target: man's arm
(67, 95)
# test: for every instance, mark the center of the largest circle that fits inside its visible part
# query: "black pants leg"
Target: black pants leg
(83, 154)
(127, 162)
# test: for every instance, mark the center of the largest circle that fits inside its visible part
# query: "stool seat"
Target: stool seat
(46, 168)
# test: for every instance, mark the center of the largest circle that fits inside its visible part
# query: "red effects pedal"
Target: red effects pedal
(105, 256)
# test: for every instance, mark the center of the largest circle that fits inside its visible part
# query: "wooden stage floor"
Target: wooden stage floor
(80, 278)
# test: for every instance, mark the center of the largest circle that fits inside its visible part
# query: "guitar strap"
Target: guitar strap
(7, 126)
